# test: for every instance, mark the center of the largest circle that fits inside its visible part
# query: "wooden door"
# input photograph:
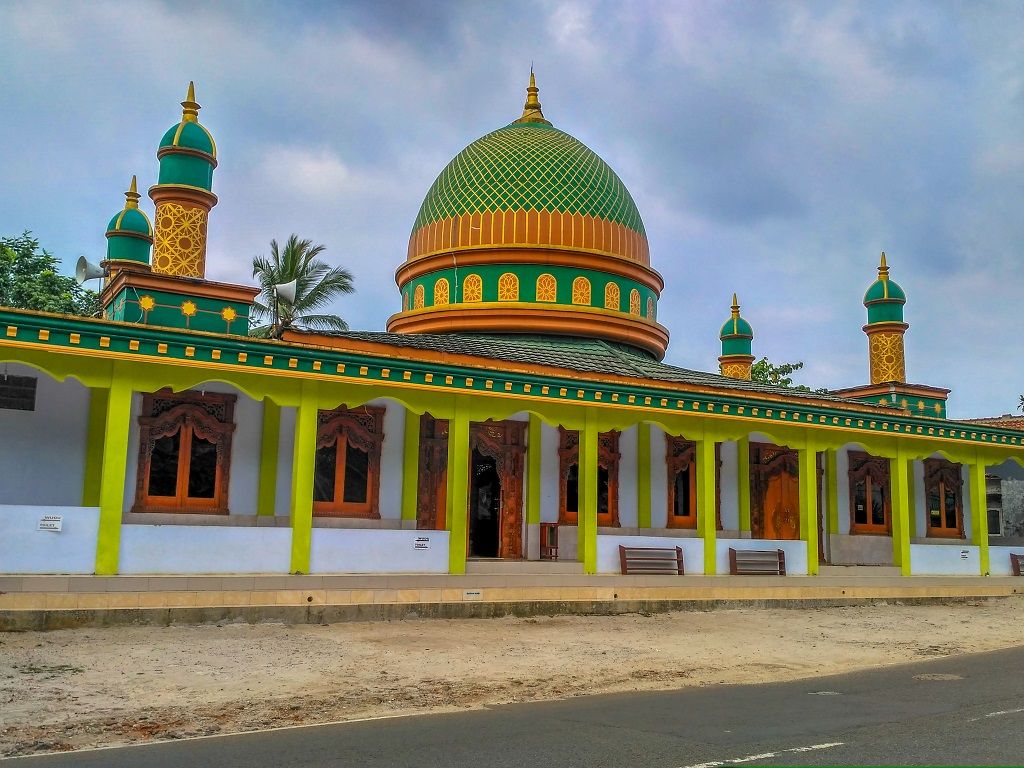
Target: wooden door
(505, 442)
(432, 480)
(774, 492)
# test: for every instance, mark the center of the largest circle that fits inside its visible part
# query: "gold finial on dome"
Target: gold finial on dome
(735, 306)
(883, 269)
(131, 197)
(531, 110)
(189, 107)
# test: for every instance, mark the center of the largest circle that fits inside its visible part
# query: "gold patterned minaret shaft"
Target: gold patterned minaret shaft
(885, 329)
(182, 197)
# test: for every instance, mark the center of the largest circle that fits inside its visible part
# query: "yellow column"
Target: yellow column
(269, 442)
(534, 465)
(586, 522)
(116, 425)
(94, 446)
(902, 510)
(743, 478)
(706, 501)
(979, 513)
(410, 466)
(643, 475)
(832, 489)
(457, 502)
(809, 504)
(303, 465)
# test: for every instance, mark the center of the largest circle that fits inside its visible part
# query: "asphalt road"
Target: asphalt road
(965, 710)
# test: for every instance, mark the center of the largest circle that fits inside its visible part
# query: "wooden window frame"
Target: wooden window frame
(680, 452)
(364, 428)
(607, 457)
(941, 475)
(210, 415)
(871, 470)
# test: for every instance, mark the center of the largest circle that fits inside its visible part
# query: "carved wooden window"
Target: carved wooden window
(184, 452)
(508, 287)
(581, 291)
(634, 302)
(441, 292)
(681, 465)
(417, 297)
(870, 500)
(547, 288)
(607, 477)
(943, 493)
(472, 288)
(346, 477)
(612, 296)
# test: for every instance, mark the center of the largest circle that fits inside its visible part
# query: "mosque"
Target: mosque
(516, 408)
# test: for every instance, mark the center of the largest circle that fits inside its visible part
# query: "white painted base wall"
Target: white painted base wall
(999, 560)
(167, 549)
(26, 549)
(945, 560)
(608, 551)
(339, 550)
(796, 553)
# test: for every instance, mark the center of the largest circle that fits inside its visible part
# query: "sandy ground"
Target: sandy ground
(88, 687)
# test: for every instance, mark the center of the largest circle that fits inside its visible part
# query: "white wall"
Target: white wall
(391, 458)
(285, 448)
(944, 560)
(608, 551)
(204, 549)
(26, 549)
(730, 486)
(42, 452)
(627, 478)
(659, 479)
(348, 550)
(999, 559)
(796, 553)
(549, 474)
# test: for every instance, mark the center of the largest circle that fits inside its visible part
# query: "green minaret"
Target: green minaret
(737, 341)
(129, 233)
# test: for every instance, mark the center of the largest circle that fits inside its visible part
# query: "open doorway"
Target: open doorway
(484, 506)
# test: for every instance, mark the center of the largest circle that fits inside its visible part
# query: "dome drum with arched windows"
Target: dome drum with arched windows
(529, 231)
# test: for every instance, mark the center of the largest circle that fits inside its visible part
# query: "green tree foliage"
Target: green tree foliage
(1022, 403)
(319, 285)
(30, 279)
(780, 375)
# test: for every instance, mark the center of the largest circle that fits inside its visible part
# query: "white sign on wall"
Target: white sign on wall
(53, 523)
(963, 554)
(421, 542)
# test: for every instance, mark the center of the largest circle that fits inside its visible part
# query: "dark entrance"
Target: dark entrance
(484, 506)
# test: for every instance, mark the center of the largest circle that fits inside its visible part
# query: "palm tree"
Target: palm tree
(318, 285)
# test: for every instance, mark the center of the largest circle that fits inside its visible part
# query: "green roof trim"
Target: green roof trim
(529, 166)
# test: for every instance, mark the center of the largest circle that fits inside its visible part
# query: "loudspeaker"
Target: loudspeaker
(86, 270)
(287, 290)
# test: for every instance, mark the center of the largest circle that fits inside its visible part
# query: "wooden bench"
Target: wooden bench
(757, 562)
(1016, 561)
(651, 560)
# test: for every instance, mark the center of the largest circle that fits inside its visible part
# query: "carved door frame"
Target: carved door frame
(766, 462)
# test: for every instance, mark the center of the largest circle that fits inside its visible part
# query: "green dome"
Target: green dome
(529, 166)
(885, 290)
(884, 299)
(736, 335)
(736, 326)
(189, 135)
(130, 220)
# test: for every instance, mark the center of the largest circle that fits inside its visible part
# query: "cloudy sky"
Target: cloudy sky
(773, 149)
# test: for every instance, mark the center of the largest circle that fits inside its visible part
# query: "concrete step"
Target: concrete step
(496, 567)
(857, 571)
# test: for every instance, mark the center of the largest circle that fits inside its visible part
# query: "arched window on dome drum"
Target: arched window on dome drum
(508, 287)
(405, 301)
(612, 296)
(472, 288)
(441, 292)
(634, 302)
(417, 298)
(581, 291)
(650, 308)
(547, 288)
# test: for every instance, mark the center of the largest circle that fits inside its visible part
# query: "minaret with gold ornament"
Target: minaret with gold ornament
(129, 235)
(182, 195)
(737, 340)
(884, 301)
